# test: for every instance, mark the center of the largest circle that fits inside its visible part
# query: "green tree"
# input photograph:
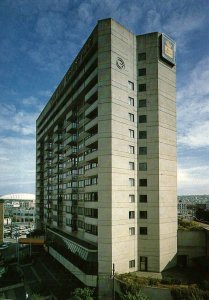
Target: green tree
(82, 294)
(138, 295)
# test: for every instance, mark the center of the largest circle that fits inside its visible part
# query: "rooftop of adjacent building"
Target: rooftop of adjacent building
(22, 196)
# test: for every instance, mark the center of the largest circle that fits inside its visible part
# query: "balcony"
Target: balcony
(92, 94)
(68, 165)
(58, 148)
(92, 111)
(58, 138)
(91, 188)
(38, 153)
(48, 155)
(39, 169)
(58, 169)
(71, 152)
(71, 127)
(91, 141)
(71, 116)
(92, 125)
(38, 146)
(71, 140)
(91, 172)
(91, 76)
(48, 165)
(48, 147)
(92, 156)
(57, 128)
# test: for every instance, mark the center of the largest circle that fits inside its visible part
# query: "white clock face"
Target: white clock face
(120, 63)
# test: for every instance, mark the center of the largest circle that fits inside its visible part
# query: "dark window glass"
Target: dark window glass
(142, 150)
(143, 214)
(131, 263)
(142, 72)
(143, 198)
(131, 214)
(142, 103)
(143, 182)
(142, 134)
(143, 230)
(142, 166)
(142, 56)
(142, 119)
(142, 87)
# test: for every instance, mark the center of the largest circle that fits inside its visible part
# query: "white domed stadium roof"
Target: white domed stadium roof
(18, 197)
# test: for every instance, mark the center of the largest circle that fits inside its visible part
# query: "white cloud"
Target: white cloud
(193, 180)
(19, 121)
(193, 107)
(18, 164)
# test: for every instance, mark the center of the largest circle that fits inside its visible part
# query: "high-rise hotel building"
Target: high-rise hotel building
(106, 157)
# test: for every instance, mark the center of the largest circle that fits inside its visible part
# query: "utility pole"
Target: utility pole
(113, 281)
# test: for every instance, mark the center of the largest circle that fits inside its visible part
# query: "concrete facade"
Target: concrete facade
(106, 157)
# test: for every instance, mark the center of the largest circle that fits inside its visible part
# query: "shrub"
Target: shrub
(138, 295)
(82, 294)
(153, 281)
(191, 293)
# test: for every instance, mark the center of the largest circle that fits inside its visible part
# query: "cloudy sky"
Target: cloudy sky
(40, 38)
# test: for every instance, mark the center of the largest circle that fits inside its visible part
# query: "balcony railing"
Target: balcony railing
(71, 127)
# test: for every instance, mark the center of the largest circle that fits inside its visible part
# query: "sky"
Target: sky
(39, 40)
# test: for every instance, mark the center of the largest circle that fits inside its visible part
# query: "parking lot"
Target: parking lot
(16, 230)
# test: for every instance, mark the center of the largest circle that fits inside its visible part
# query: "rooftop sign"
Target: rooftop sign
(168, 49)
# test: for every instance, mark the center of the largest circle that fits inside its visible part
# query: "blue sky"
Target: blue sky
(39, 40)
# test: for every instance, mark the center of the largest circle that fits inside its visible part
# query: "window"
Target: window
(142, 72)
(132, 263)
(91, 212)
(94, 180)
(91, 196)
(131, 165)
(80, 210)
(143, 103)
(131, 117)
(91, 229)
(80, 224)
(142, 87)
(131, 133)
(142, 150)
(81, 183)
(132, 231)
(142, 56)
(131, 85)
(142, 119)
(143, 230)
(131, 101)
(80, 197)
(131, 214)
(142, 166)
(143, 182)
(143, 198)
(131, 181)
(131, 198)
(142, 135)
(143, 214)
(87, 181)
(131, 149)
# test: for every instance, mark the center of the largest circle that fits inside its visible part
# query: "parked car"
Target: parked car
(3, 246)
